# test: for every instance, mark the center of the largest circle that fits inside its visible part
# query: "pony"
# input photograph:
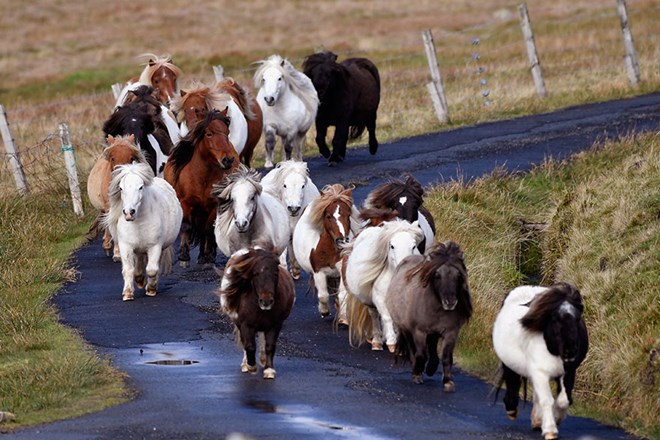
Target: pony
(289, 103)
(258, 295)
(290, 183)
(324, 227)
(406, 197)
(144, 217)
(349, 94)
(162, 74)
(202, 158)
(246, 214)
(121, 150)
(148, 97)
(540, 334)
(368, 265)
(246, 120)
(429, 299)
(151, 136)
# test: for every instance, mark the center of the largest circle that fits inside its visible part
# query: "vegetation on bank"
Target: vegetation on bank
(593, 221)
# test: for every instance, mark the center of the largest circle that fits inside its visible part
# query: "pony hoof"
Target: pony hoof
(342, 321)
(417, 378)
(391, 348)
(150, 292)
(116, 259)
(377, 346)
(512, 415)
(295, 274)
(252, 369)
(449, 387)
(269, 373)
(108, 252)
(551, 436)
(332, 163)
(184, 264)
(127, 297)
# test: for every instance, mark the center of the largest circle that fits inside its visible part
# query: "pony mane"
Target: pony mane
(544, 304)
(237, 277)
(384, 195)
(367, 215)
(298, 82)
(286, 167)
(214, 99)
(224, 189)
(318, 58)
(329, 195)
(376, 262)
(182, 154)
(154, 62)
(242, 95)
(126, 116)
(124, 141)
(142, 169)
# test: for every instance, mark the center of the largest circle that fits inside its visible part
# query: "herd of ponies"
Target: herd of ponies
(177, 166)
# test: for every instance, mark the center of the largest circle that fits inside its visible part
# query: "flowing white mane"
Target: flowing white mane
(284, 169)
(298, 82)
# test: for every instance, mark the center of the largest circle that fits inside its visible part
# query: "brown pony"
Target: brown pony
(324, 227)
(120, 150)
(428, 299)
(202, 158)
(244, 134)
(161, 74)
(258, 295)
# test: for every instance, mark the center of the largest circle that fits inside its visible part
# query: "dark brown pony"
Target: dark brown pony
(258, 295)
(349, 94)
(407, 198)
(191, 105)
(429, 299)
(201, 159)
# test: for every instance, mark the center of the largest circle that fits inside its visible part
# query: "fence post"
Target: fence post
(116, 90)
(219, 72)
(435, 87)
(71, 171)
(14, 160)
(632, 66)
(531, 50)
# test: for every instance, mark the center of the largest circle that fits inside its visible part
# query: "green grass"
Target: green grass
(602, 216)
(46, 370)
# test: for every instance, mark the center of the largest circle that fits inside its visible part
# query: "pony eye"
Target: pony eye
(285, 185)
(391, 246)
(141, 187)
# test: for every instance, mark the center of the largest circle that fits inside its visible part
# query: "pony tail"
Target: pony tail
(356, 131)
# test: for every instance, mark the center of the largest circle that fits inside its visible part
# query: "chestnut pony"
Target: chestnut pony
(202, 158)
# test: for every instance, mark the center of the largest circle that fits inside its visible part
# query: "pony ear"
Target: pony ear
(416, 223)
(348, 192)
(152, 62)
(131, 138)
(282, 62)
(111, 139)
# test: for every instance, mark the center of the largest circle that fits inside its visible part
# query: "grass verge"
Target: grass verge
(593, 221)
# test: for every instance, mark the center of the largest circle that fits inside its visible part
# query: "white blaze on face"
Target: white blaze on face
(567, 308)
(403, 200)
(337, 216)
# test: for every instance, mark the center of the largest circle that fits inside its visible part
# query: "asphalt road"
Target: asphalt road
(324, 388)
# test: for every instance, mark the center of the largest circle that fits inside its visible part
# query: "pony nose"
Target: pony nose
(226, 162)
(241, 225)
(449, 305)
(129, 214)
(269, 100)
(266, 303)
(293, 209)
(342, 240)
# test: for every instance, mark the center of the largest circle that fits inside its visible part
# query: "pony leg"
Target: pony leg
(373, 142)
(107, 242)
(269, 144)
(321, 283)
(116, 255)
(184, 247)
(432, 348)
(153, 264)
(271, 343)
(391, 333)
(448, 344)
(138, 274)
(543, 403)
(419, 344)
(512, 396)
(298, 146)
(288, 148)
(339, 144)
(560, 408)
(376, 331)
(321, 133)
(342, 297)
(293, 263)
(128, 271)
(247, 335)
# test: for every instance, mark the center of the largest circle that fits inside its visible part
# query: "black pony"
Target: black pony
(349, 94)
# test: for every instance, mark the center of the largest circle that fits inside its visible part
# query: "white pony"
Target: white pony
(144, 218)
(289, 103)
(248, 215)
(368, 265)
(291, 184)
(540, 334)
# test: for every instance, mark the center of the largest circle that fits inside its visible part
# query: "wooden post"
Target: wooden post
(435, 87)
(632, 66)
(116, 89)
(219, 72)
(71, 171)
(531, 50)
(14, 160)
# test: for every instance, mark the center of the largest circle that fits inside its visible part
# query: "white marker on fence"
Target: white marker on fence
(219, 72)
(632, 66)
(531, 50)
(10, 149)
(71, 171)
(435, 87)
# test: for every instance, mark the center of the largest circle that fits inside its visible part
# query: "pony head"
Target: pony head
(404, 197)
(239, 192)
(255, 269)
(270, 79)
(127, 187)
(160, 73)
(323, 70)
(122, 150)
(403, 238)
(292, 176)
(332, 212)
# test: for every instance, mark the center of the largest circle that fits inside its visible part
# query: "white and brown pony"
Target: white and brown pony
(144, 217)
(540, 334)
(289, 182)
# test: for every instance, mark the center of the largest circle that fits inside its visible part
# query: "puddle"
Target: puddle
(173, 362)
